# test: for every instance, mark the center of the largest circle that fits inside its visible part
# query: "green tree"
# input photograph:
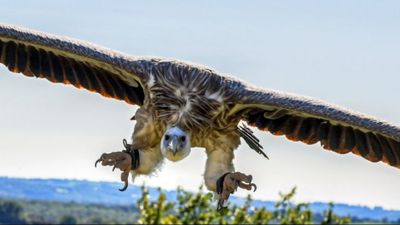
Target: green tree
(68, 219)
(11, 213)
(288, 212)
(331, 218)
(199, 208)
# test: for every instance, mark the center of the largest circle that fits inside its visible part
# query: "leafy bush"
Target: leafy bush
(198, 208)
(188, 208)
(11, 213)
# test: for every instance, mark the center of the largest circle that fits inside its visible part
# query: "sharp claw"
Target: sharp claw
(115, 165)
(250, 177)
(125, 186)
(220, 205)
(99, 160)
(254, 186)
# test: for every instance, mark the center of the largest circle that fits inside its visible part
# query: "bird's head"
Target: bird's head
(175, 144)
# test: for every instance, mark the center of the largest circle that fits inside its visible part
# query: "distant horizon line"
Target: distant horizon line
(376, 207)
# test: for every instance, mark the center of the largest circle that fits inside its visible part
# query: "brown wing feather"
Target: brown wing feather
(338, 138)
(34, 60)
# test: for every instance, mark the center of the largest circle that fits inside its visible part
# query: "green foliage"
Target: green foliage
(289, 213)
(331, 218)
(188, 208)
(11, 213)
(68, 220)
(198, 208)
(45, 212)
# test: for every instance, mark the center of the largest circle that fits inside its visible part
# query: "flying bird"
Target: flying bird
(183, 105)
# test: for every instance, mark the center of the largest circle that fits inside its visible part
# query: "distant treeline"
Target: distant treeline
(189, 208)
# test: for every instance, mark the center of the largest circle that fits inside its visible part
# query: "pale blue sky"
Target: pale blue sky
(345, 52)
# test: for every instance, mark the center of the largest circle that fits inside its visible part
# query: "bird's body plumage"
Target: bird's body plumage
(205, 104)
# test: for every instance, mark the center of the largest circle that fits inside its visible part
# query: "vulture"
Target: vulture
(184, 105)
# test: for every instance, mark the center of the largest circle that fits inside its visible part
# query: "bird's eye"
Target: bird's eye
(167, 137)
(183, 138)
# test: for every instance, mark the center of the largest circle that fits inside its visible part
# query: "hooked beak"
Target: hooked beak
(173, 145)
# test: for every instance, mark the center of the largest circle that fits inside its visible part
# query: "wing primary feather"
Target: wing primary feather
(118, 90)
(349, 139)
(91, 77)
(70, 72)
(261, 121)
(21, 58)
(1, 51)
(245, 133)
(313, 136)
(387, 150)
(64, 74)
(253, 142)
(361, 143)
(97, 75)
(305, 130)
(57, 71)
(276, 126)
(323, 130)
(397, 152)
(291, 127)
(81, 74)
(334, 137)
(395, 147)
(249, 133)
(375, 151)
(342, 138)
(34, 61)
(108, 88)
(10, 55)
(248, 130)
(294, 136)
(44, 64)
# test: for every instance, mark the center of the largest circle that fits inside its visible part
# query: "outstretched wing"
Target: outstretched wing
(69, 61)
(122, 77)
(310, 121)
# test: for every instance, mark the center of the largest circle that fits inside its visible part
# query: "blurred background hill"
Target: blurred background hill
(50, 200)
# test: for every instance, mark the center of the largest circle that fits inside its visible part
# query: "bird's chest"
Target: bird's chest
(199, 107)
(187, 108)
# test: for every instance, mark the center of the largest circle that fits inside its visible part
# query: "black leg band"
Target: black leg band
(220, 183)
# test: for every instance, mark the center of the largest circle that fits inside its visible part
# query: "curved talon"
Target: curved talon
(116, 165)
(254, 186)
(125, 186)
(119, 160)
(99, 160)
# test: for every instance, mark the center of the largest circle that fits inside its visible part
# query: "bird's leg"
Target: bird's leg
(221, 178)
(125, 160)
(132, 161)
(141, 157)
(228, 183)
